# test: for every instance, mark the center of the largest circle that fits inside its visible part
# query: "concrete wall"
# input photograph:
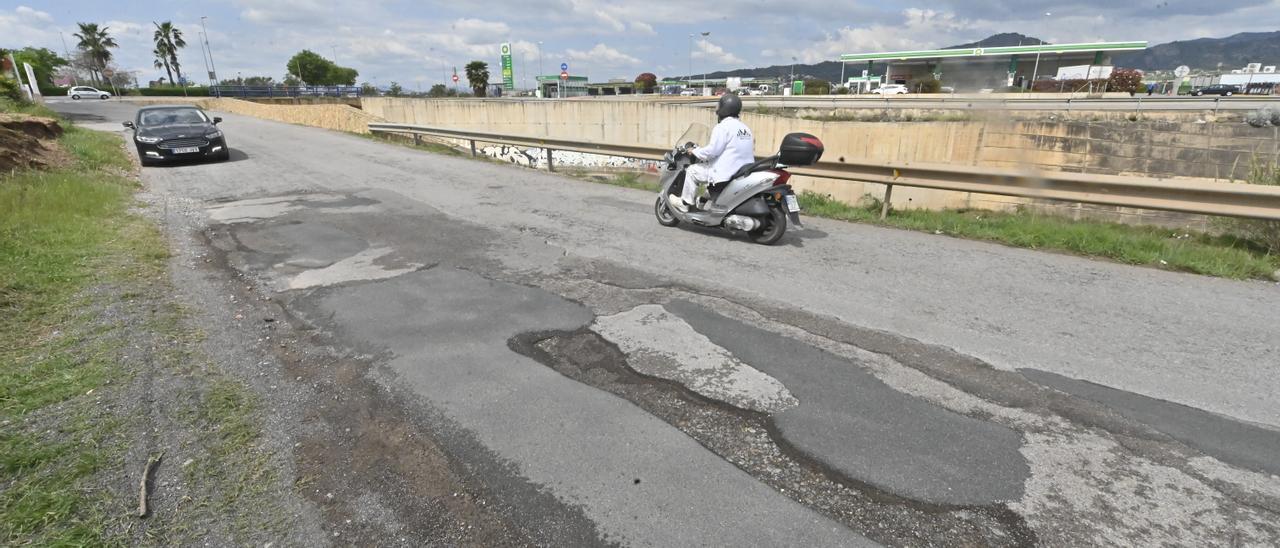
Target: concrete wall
(328, 116)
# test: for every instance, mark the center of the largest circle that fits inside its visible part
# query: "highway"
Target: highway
(593, 378)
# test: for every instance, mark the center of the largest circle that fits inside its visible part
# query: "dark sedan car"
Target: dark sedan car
(171, 133)
(1217, 89)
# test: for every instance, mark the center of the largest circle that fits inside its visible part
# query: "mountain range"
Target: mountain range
(1234, 51)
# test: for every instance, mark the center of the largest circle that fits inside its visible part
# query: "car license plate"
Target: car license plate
(186, 150)
(793, 205)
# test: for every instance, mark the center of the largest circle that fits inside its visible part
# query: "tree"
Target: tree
(168, 40)
(395, 90)
(645, 82)
(478, 76)
(43, 61)
(814, 86)
(309, 67)
(98, 44)
(162, 61)
(1125, 80)
(438, 90)
(368, 89)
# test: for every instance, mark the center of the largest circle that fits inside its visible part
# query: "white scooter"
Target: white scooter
(757, 200)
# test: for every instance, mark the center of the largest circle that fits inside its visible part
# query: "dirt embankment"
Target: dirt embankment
(28, 142)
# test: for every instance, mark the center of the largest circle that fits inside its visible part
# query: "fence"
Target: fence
(284, 91)
(1187, 196)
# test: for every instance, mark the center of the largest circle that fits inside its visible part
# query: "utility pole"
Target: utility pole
(75, 77)
(1036, 70)
(205, 58)
(213, 69)
(689, 79)
(704, 70)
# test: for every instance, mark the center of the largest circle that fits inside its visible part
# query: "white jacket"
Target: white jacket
(732, 146)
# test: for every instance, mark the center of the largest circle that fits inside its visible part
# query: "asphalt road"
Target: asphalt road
(606, 379)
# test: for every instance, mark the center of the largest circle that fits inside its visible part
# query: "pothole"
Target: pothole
(750, 441)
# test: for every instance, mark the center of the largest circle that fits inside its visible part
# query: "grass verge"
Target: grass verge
(60, 232)
(1225, 256)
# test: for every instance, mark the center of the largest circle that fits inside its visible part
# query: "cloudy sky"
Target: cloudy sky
(410, 41)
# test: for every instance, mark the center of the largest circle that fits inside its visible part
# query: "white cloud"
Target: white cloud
(641, 27)
(479, 31)
(706, 50)
(32, 14)
(602, 55)
(918, 29)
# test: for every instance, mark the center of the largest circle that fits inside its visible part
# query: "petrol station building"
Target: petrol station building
(977, 69)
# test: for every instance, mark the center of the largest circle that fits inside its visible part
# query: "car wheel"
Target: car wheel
(1228, 94)
(75, 97)
(105, 97)
(224, 155)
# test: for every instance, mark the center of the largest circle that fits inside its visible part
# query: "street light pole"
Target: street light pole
(213, 69)
(75, 78)
(205, 58)
(1035, 71)
(704, 69)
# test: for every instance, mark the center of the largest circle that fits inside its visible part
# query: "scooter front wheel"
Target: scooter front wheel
(774, 226)
(662, 211)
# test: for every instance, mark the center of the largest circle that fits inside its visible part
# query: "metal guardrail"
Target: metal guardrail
(284, 91)
(1182, 195)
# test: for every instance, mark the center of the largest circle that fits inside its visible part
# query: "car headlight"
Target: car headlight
(145, 139)
(213, 134)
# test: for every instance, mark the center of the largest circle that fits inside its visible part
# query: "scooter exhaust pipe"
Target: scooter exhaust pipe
(741, 222)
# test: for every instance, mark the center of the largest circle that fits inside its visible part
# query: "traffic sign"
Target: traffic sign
(455, 78)
(564, 67)
(564, 75)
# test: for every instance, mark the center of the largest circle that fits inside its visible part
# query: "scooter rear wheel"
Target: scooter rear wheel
(775, 225)
(662, 211)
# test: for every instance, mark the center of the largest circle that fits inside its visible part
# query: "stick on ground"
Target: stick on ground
(142, 487)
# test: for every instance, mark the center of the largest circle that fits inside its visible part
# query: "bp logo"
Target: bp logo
(506, 49)
(977, 51)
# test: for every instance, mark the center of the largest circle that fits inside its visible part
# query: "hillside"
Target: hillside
(1204, 53)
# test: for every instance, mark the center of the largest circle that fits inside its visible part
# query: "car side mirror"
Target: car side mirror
(129, 125)
(217, 120)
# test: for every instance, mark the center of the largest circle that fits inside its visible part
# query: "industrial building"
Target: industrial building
(976, 69)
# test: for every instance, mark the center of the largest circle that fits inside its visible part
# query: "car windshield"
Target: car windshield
(169, 116)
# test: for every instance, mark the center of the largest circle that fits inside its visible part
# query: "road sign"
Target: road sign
(508, 70)
(564, 75)
(1182, 71)
(455, 78)
(564, 67)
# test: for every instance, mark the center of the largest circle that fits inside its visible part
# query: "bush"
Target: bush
(9, 89)
(1266, 234)
(53, 91)
(925, 85)
(817, 87)
(174, 91)
(1125, 81)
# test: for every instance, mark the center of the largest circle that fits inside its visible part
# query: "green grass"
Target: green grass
(1225, 256)
(34, 109)
(62, 231)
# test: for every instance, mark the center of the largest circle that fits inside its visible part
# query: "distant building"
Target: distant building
(973, 69)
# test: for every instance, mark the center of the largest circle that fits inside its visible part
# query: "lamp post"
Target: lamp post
(1035, 71)
(213, 69)
(704, 69)
(205, 57)
(537, 82)
(689, 79)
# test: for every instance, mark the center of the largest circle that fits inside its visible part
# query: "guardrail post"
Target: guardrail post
(550, 164)
(473, 147)
(888, 197)
(417, 139)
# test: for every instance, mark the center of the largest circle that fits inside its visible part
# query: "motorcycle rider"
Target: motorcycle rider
(732, 146)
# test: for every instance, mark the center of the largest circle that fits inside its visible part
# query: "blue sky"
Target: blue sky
(409, 42)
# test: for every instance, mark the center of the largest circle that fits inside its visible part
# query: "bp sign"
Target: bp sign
(508, 71)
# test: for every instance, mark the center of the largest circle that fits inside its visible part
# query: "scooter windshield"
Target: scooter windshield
(697, 134)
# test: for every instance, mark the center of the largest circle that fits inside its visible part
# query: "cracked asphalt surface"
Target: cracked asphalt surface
(487, 334)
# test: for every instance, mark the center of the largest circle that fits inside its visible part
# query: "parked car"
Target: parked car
(947, 89)
(76, 92)
(755, 92)
(1216, 89)
(167, 133)
(689, 93)
(890, 89)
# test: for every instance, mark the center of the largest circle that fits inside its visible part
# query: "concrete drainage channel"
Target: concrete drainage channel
(751, 441)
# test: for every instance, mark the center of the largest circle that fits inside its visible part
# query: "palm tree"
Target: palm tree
(168, 39)
(478, 76)
(162, 60)
(97, 43)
